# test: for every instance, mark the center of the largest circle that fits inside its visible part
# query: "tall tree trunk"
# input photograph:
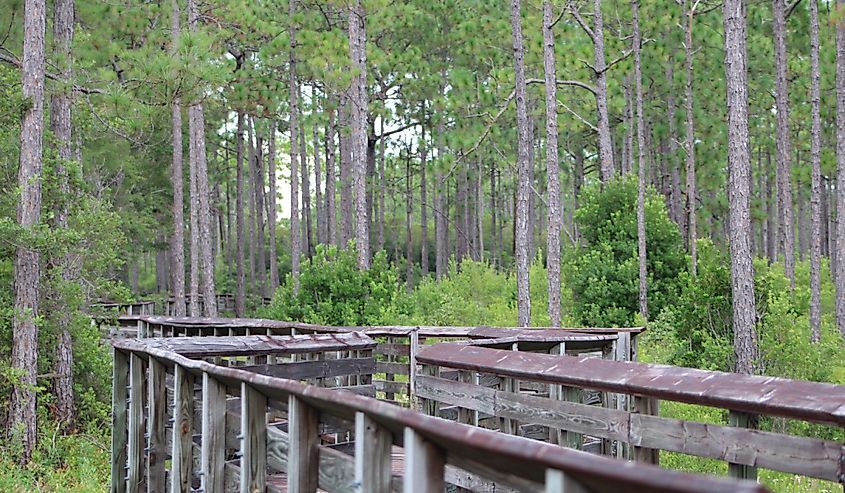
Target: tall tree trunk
(346, 203)
(479, 210)
(177, 240)
(605, 142)
(494, 218)
(60, 124)
(193, 195)
(461, 215)
(839, 278)
(381, 190)
(552, 168)
(675, 191)
(692, 230)
(641, 163)
(771, 209)
(240, 219)
(358, 52)
(626, 160)
(271, 219)
(409, 211)
(318, 186)
(523, 296)
(423, 204)
(787, 233)
(441, 263)
(258, 187)
(739, 188)
(22, 416)
(295, 246)
(307, 230)
(332, 236)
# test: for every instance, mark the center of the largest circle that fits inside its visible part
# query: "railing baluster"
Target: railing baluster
(156, 414)
(466, 416)
(413, 349)
(429, 406)
(135, 479)
(183, 417)
(560, 482)
(118, 420)
(646, 405)
(556, 435)
(742, 420)
(254, 441)
(373, 444)
(303, 452)
(424, 465)
(213, 451)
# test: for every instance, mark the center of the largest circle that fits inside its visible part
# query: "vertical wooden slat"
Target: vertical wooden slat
(135, 476)
(510, 426)
(556, 435)
(429, 406)
(253, 441)
(742, 420)
(213, 451)
(183, 418)
(466, 416)
(120, 373)
(413, 349)
(156, 415)
(304, 451)
(372, 456)
(650, 406)
(560, 482)
(570, 438)
(424, 465)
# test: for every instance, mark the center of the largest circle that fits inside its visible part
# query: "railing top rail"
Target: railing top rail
(516, 455)
(795, 399)
(195, 347)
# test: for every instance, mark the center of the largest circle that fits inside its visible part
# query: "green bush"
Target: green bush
(603, 273)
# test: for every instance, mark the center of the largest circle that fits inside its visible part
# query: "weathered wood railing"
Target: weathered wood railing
(225, 303)
(480, 384)
(145, 308)
(234, 429)
(397, 346)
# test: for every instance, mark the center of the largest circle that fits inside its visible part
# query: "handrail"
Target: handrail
(429, 442)
(810, 401)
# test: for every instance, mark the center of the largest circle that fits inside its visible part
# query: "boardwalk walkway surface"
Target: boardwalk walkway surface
(259, 405)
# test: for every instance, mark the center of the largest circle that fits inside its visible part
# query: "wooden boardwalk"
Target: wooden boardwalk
(377, 409)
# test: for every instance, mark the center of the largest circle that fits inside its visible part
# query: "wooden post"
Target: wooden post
(213, 451)
(254, 441)
(429, 406)
(424, 465)
(560, 482)
(156, 414)
(135, 481)
(373, 466)
(304, 449)
(183, 417)
(467, 416)
(507, 425)
(570, 438)
(413, 349)
(650, 406)
(556, 435)
(742, 420)
(118, 421)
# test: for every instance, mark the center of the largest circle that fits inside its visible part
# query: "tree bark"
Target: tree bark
(409, 211)
(381, 190)
(552, 168)
(641, 164)
(771, 209)
(22, 415)
(258, 188)
(816, 177)
(194, 306)
(240, 219)
(332, 237)
(423, 203)
(840, 169)
(605, 140)
(295, 246)
(177, 240)
(784, 174)
(307, 230)
(271, 219)
(318, 186)
(358, 52)
(675, 191)
(523, 296)
(739, 189)
(692, 230)
(346, 202)
(441, 264)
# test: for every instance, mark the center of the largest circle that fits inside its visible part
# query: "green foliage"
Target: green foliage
(604, 273)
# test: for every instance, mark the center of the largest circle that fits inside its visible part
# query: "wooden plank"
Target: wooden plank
(644, 406)
(254, 440)
(427, 405)
(392, 387)
(742, 420)
(156, 416)
(183, 416)
(412, 364)
(373, 460)
(797, 455)
(303, 454)
(424, 464)
(467, 415)
(120, 373)
(213, 452)
(316, 369)
(393, 368)
(559, 482)
(393, 349)
(556, 435)
(135, 453)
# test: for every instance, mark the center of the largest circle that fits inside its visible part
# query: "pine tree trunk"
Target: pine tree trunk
(839, 278)
(423, 204)
(440, 232)
(641, 164)
(194, 305)
(692, 230)
(739, 188)
(358, 52)
(240, 219)
(332, 237)
(675, 191)
(258, 187)
(552, 168)
(784, 173)
(295, 246)
(409, 211)
(271, 219)
(815, 177)
(479, 210)
(307, 231)
(318, 187)
(381, 191)
(771, 209)
(605, 144)
(346, 203)
(522, 245)
(22, 416)
(177, 240)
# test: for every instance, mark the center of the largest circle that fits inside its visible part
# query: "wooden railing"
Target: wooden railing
(225, 303)
(233, 429)
(395, 354)
(512, 391)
